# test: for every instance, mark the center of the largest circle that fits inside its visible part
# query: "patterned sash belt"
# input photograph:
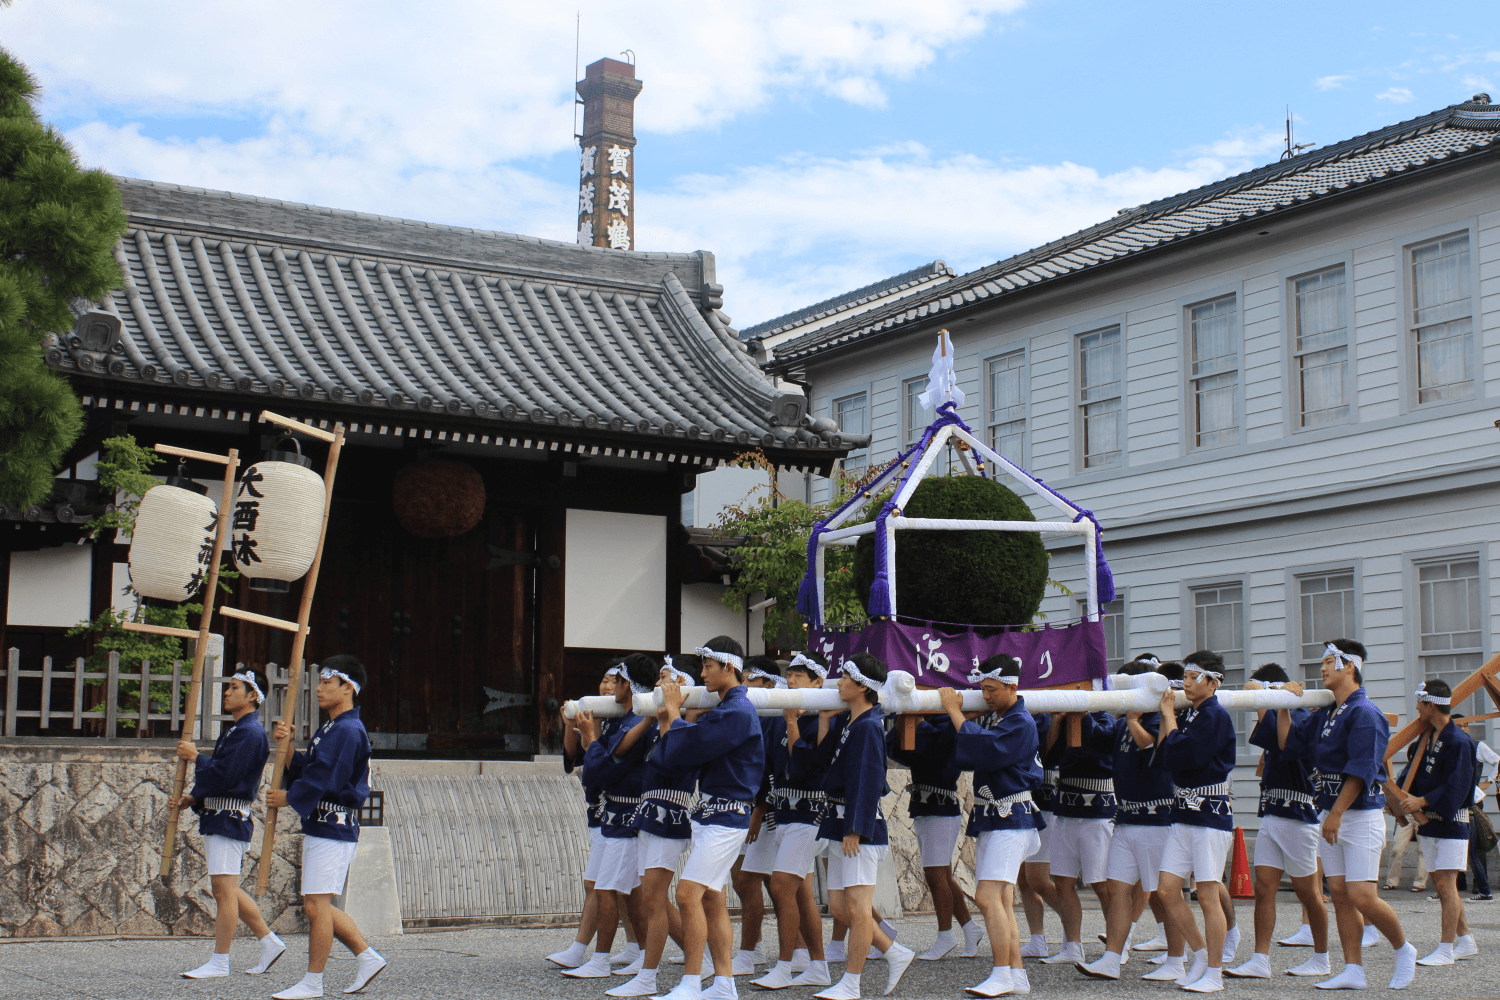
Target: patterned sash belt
(713, 805)
(790, 798)
(684, 799)
(1145, 807)
(985, 799)
(1193, 798)
(1049, 778)
(623, 800)
(219, 804)
(1286, 797)
(927, 793)
(1327, 784)
(335, 815)
(1088, 784)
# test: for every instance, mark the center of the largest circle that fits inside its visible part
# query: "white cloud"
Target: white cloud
(803, 229)
(1396, 95)
(1331, 82)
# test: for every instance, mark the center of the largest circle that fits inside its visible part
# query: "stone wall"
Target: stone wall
(910, 882)
(81, 830)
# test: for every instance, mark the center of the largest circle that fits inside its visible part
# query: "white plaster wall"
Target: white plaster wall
(616, 589)
(50, 586)
(705, 616)
(722, 488)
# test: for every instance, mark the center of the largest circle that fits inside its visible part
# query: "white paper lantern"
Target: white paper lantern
(277, 518)
(173, 541)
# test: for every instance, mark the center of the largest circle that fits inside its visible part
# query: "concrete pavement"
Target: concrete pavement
(485, 963)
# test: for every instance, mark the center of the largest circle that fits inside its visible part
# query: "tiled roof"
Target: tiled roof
(838, 303)
(1461, 132)
(252, 298)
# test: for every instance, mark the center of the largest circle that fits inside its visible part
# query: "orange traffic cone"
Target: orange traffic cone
(1241, 886)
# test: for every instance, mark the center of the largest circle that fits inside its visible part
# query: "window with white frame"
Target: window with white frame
(1007, 422)
(853, 416)
(1215, 372)
(1450, 600)
(1101, 381)
(1325, 612)
(1112, 615)
(1442, 319)
(1219, 625)
(1321, 346)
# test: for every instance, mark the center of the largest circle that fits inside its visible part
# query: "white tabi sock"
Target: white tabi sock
(973, 934)
(1465, 947)
(217, 967)
(800, 960)
(998, 984)
(1036, 947)
(946, 942)
(1158, 943)
(1195, 971)
(1352, 978)
(1020, 982)
(1170, 970)
(1212, 981)
(1441, 955)
(367, 966)
(643, 985)
(570, 957)
(1406, 967)
(1315, 966)
(630, 954)
(1107, 967)
(1231, 944)
(309, 988)
(271, 949)
(722, 989)
(689, 989)
(890, 929)
(816, 974)
(1302, 939)
(845, 989)
(1259, 967)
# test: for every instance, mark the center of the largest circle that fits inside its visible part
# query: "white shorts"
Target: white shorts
(1043, 853)
(1198, 852)
(1080, 847)
(1356, 856)
(796, 849)
(1287, 844)
(998, 854)
(1443, 854)
(937, 836)
(658, 852)
(862, 869)
(620, 869)
(325, 865)
(596, 854)
(1135, 854)
(224, 856)
(714, 851)
(760, 857)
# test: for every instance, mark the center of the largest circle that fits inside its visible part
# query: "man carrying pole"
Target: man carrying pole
(225, 786)
(328, 784)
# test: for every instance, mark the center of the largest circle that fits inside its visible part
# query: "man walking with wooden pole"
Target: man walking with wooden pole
(329, 783)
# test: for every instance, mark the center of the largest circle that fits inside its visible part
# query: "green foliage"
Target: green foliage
(58, 227)
(963, 577)
(123, 471)
(774, 556)
(135, 647)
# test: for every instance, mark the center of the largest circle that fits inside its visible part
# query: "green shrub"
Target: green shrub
(963, 577)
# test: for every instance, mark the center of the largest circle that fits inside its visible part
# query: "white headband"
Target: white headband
(1148, 659)
(812, 666)
(1206, 673)
(681, 676)
(852, 672)
(327, 673)
(618, 670)
(1339, 654)
(249, 680)
(1422, 696)
(1275, 685)
(736, 662)
(1176, 684)
(755, 673)
(975, 676)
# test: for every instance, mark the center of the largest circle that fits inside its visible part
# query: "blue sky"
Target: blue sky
(813, 148)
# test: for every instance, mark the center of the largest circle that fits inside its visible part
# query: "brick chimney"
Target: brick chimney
(606, 183)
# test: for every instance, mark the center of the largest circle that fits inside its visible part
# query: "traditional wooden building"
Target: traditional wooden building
(587, 387)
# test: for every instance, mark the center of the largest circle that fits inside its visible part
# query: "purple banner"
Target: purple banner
(1049, 656)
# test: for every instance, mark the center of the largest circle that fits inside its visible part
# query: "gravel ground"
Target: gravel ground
(508, 963)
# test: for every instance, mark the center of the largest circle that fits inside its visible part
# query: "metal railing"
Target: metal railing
(165, 700)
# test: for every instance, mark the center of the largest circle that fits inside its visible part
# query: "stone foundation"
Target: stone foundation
(910, 882)
(81, 830)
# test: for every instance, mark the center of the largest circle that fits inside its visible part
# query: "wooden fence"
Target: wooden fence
(165, 691)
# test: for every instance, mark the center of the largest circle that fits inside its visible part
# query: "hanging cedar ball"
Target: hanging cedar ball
(173, 541)
(963, 577)
(438, 499)
(278, 518)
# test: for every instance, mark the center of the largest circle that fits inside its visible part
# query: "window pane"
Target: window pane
(1443, 353)
(1324, 377)
(1440, 280)
(1101, 434)
(916, 416)
(1008, 439)
(1007, 401)
(1215, 403)
(1113, 617)
(1213, 337)
(1099, 365)
(1326, 612)
(851, 415)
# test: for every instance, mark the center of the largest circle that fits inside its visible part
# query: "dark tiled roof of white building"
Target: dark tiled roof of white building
(1461, 132)
(257, 298)
(875, 290)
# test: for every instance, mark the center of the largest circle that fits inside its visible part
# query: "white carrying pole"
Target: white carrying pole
(1091, 569)
(1141, 693)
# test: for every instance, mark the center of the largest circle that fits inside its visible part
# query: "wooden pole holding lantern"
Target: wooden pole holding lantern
(230, 462)
(335, 441)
